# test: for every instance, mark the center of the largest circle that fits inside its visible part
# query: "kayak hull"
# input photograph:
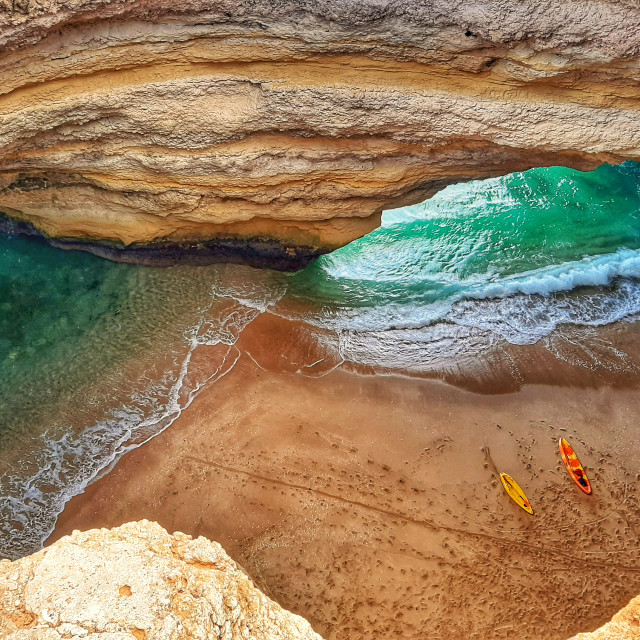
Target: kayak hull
(515, 492)
(574, 467)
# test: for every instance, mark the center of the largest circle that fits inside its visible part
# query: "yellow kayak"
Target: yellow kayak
(515, 492)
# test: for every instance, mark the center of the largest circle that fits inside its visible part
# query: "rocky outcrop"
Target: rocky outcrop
(296, 121)
(137, 582)
(625, 625)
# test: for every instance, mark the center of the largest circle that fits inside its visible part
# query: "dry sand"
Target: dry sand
(370, 503)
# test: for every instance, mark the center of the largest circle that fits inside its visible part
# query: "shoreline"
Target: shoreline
(368, 504)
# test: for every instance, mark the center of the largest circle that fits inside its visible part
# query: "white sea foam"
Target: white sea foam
(432, 337)
(484, 304)
(593, 271)
(472, 328)
(424, 350)
(32, 495)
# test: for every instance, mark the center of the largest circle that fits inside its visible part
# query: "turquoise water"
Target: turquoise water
(96, 357)
(538, 232)
(50, 304)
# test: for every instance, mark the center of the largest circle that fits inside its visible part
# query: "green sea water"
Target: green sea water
(537, 232)
(96, 357)
(52, 306)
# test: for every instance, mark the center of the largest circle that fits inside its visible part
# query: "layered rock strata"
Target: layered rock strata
(137, 582)
(296, 121)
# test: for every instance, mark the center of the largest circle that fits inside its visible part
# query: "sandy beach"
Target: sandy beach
(370, 504)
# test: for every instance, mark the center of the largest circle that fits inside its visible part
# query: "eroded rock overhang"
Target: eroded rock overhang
(292, 124)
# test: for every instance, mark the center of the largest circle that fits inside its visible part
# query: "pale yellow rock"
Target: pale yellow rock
(625, 625)
(297, 120)
(137, 582)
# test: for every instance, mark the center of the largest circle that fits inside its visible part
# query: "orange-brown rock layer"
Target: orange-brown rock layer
(296, 121)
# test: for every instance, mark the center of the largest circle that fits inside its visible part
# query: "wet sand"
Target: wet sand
(370, 504)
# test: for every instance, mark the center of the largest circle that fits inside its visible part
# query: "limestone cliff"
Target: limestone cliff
(625, 625)
(296, 120)
(137, 582)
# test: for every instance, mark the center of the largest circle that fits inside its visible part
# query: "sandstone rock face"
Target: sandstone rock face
(137, 582)
(297, 120)
(625, 625)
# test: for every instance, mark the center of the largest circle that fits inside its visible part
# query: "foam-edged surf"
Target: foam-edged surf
(511, 259)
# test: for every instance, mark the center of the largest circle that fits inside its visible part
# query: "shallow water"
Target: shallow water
(96, 357)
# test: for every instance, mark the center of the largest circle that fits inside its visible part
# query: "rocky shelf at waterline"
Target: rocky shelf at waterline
(295, 121)
(259, 252)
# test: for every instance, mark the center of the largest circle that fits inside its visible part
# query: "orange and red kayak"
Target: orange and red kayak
(575, 469)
